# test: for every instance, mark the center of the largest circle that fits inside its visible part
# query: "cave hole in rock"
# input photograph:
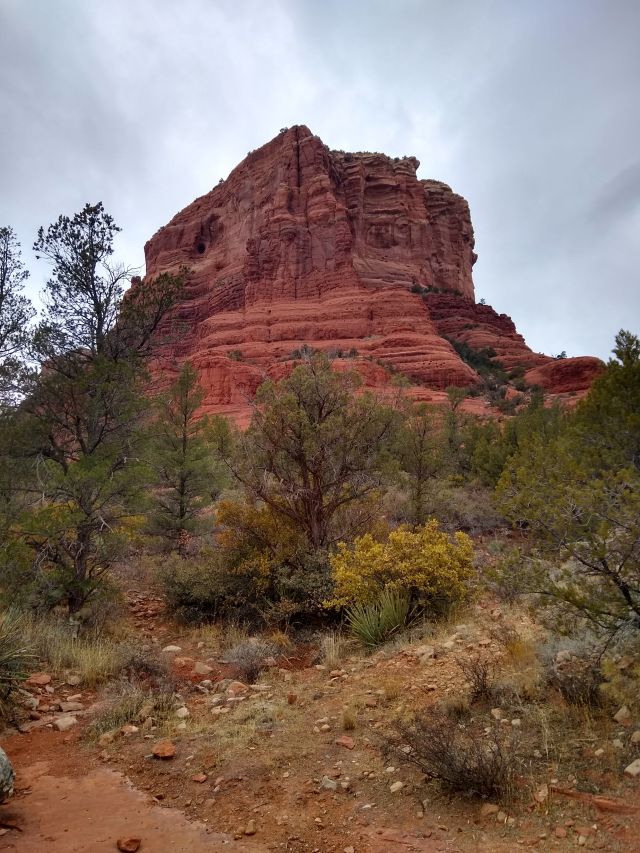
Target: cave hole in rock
(200, 248)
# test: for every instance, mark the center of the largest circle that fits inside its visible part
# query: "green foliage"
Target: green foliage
(576, 487)
(483, 360)
(185, 455)
(80, 422)
(376, 622)
(420, 453)
(15, 657)
(313, 448)
(15, 313)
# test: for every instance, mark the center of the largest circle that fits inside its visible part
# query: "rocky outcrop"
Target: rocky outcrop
(303, 247)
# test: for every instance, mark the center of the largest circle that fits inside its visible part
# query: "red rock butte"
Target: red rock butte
(306, 248)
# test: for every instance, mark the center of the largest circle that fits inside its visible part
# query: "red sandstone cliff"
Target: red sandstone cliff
(306, 246)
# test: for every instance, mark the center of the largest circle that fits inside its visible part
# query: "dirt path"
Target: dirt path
(65, 805)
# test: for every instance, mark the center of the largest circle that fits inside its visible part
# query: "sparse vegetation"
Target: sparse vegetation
(457, 757)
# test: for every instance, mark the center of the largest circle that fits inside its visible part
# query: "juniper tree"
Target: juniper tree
(184, 454)
(80, 423)
(16, 313)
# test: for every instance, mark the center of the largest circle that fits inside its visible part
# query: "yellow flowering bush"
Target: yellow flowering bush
(427, 563)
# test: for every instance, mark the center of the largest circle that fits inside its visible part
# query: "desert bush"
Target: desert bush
(249, 658)
(200, 588)
(125, 701)
(349, 719)
(457, 757)
(576, 673)
(622, 673)
(15, 656)
(95, 659)
(480, 673)
(332, 649)
(377, 621)
(432, 568)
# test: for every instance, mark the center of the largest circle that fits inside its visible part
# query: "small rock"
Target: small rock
(633, 769)
(129, 729)
(371, 702)
(328, 784)
(164, 748)
(496, 713)
(63, 724)
(396, 786)
(71, 706)
(424, 652)
(73, 680)
(623, 715)
(38, 679)
(346, 741)
(618, 743)
(599, 752)
(582, 840)
(349, 849)
(200, 668)
(106, 738)
(542, 794)
(291, 699)
(200, 778)
(250, 828)
(325, 728)
(635, 737)
(30, 703)
(128, 845)
(501, 817)
(182, 713)
(489, 809)
(560, 832)
(516, 723)
(172, 650)
(236, 688)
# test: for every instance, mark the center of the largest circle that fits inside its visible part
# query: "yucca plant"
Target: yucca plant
(14, 659)
(376, 622)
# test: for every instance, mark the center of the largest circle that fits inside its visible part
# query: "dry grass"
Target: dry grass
(349, 719)
(96, 660)
(125, 705)
(333, 647)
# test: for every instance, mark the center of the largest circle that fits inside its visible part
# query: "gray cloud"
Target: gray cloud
(527, 109)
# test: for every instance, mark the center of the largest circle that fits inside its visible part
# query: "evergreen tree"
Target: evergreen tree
(80, 422)
(16, 313)
(184, 454)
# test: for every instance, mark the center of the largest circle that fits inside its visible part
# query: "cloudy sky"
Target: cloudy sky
(528, 108)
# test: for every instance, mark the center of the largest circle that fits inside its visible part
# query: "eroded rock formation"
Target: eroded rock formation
(349, 253)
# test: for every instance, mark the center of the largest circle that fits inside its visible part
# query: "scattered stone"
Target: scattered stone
(618, 743)
(200, 778)
(371, 702)
(106, 738)
(38, 679)
(74, 680)
(164, 748)
(496, 713)
(129, 729)
(128, 845)
(182, 713)
(329, 784)
(623, 715)
(349, 849)
(64, 723)
(599, 752)
(200, 668)
(325, 728)
(489, 809)
(291, 699)
(71, 706)
(236, 688)
(501, 817)
(424, 652)
(542, 794)
(172, 650)
(633, 769)
(560, 832)
(346, 741)
(250, 828)
(396, 786)
(30, 703)
(516, 723)
(635, 737)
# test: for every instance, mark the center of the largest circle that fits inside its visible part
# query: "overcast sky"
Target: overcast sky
(528, 108)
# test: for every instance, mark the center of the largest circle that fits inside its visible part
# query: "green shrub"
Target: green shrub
(376, 622)
(15, 657)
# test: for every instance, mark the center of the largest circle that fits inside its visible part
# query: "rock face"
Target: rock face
(348, 253)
